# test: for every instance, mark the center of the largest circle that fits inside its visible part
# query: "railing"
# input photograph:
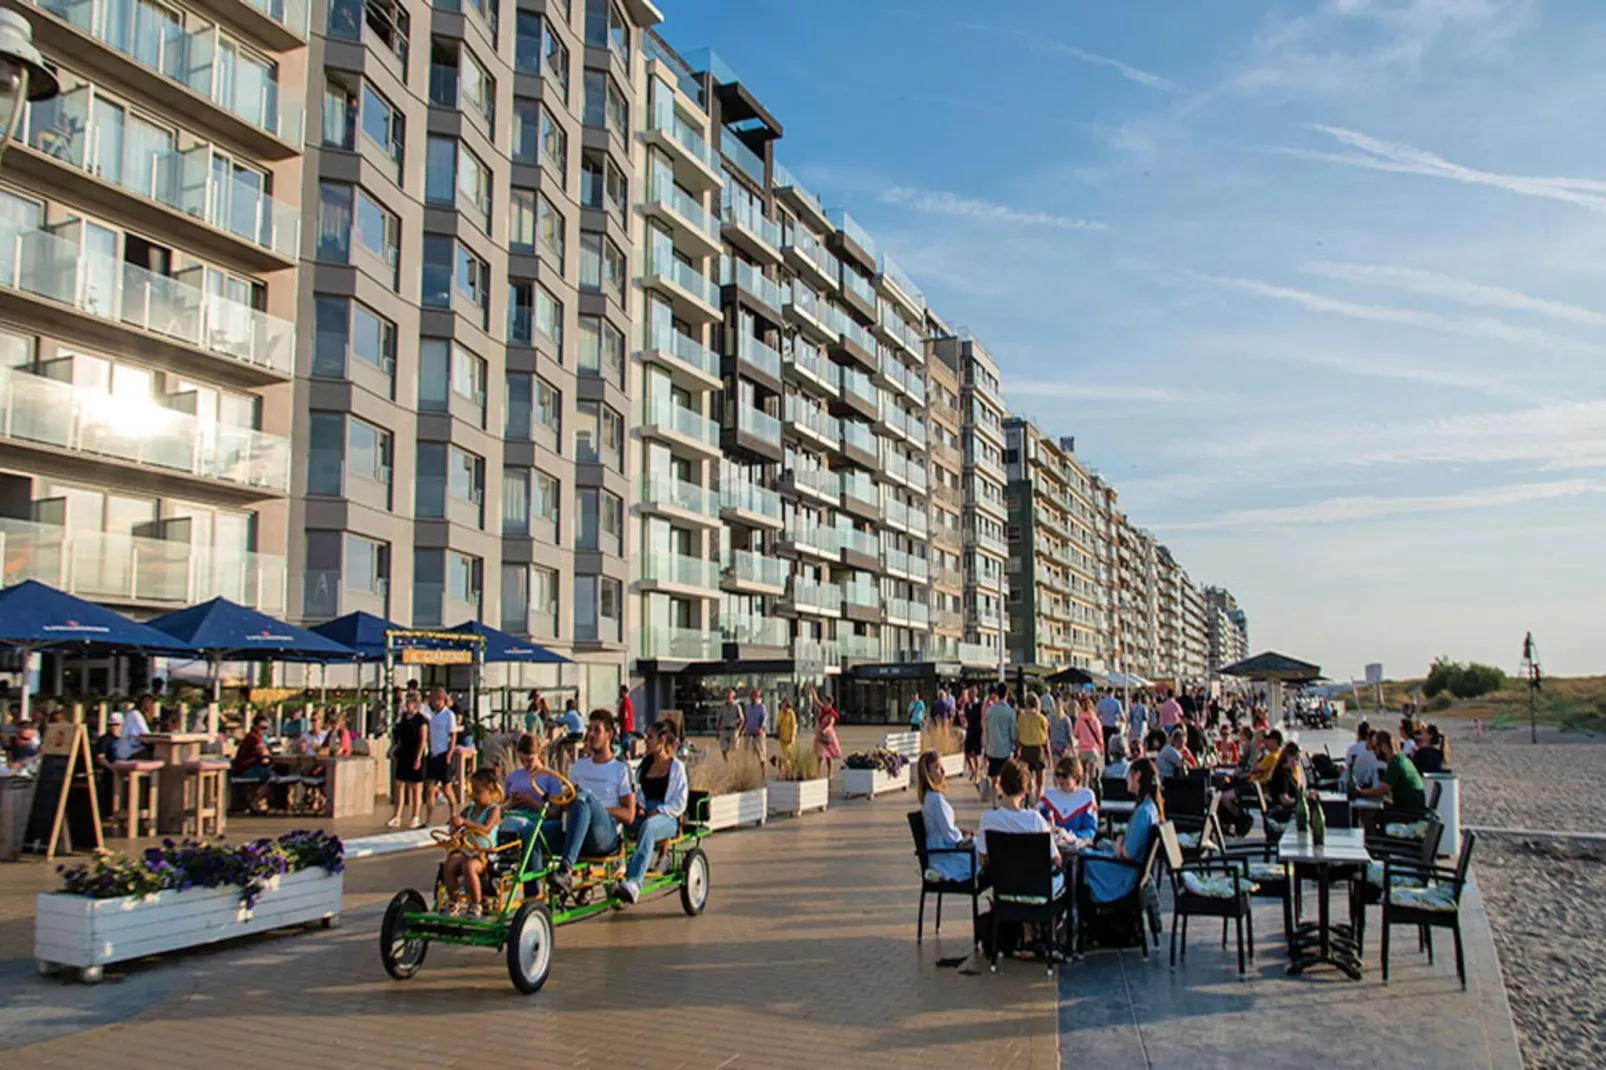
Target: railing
(947, 618)
(785, 180)
(916, 430)
(824, 652)
(863, 542)
(668, 415)
(896, 512)
(895, 275)
(861, 486)
(748, 278)
(686, 277)
(857, 434)
(39, 262)
(742, 156)
(683, 569)
(801, 413)
(808, 359)
(949, 577)
(191, 58)
(820, 480)
(893, 416)
(861, 593)
(817, 536)
(916, 474)
(858, 285)
(138, 430)
(763, 357)
(687, 644)
(64, 130)
(977, 654)
(917, 522)
(893, 464)
(686, 350)
(824, 596)
(845, 325)
(749, 497)
(759, 568)
(859, 647)
(849, 226)
(108, 567)
(906, 563)
(758, 423)
(746, 214)
(908, 381)
(662, 188)
(988, 542)
(758, 631)
(859, 385)
(906, 610)
(812, 249)
(663, 489)
(664, 118)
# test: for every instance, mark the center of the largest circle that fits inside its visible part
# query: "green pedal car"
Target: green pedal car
(521, 907)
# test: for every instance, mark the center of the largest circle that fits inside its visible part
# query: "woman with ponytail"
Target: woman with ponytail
(1109, 880)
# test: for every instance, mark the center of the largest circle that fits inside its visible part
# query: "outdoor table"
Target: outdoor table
(348, 783)
(1310, 945)
(173, 749)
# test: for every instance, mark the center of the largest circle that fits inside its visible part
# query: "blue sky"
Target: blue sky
(1316, 284)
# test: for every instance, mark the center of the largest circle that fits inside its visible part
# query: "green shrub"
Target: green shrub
(1461, 681)
(1440, 702)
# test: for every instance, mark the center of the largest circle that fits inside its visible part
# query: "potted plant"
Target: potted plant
(798, 785)
(869, 773)
(179, 895)
(948, 740)
(736, 787)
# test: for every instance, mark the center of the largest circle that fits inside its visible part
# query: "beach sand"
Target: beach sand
(1544, 894)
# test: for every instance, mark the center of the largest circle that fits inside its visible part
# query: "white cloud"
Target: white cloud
(1365, 508)
(942, 202)
(1083, 391)
(1046, 44)
(1462, 291)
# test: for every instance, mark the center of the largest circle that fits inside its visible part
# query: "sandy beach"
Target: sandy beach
(1544, 894)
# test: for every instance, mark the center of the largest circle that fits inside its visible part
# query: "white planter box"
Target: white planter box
(73, 930)
(904, 743)
(796, 796)
(738, 808)
(867, 783)
(953, 765)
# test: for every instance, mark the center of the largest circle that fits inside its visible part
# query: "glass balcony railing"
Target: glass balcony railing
(820, 480)
(737, 152)
(749, 497)
(666, 415)
(198, 57)
(662, 188)
(45, 264)
(916, 430)
(758, 631)
(684, 349)
(746, 214)
(977, 654)
(894, 417)
(756, 353)
(859, 647)
(784, 179)
(859, 385)
(817, 536)
(862, 542)
(188, 182)
(291, 14)
(895, 512)
(682, 569)
(759, 568)
(758, 424)
(823, 652)
(666, 490)
(894, 465)
(686, 277)
(849, 226)
(750, 279)
(861, 486)
(102, 566)
(813, 250)
(824, 596)
(34, 409)
(687, 644)
(845, 325)
(895, 275)
(858, 435)
(915, 473)
(908, 610)
(808, 359)
(802, 414)
(917, 523)
(858, 285)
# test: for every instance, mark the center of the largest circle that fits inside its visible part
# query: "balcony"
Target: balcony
(894, 327)
(857, 387)
(35, 411)
(695, 164)
(749, 502)
(104, 567)
(748, 569)
(789, 189)
(686, 356)
(894, 418)
(977, 654)
(763, 359)
(761, 425)
(864, 543)
(905, 564)
(908, 382)
(907, 611)
(681, 644)
(755, 283)
(694, 226)
(808, 365)
(661, 567)
(820, 483)
(748, 227)
(64, 130)
(893, 466)
(816, 538)
(807, 255)
(857, 436)
(662, 492)
(951, 578)
(755, 631)
(200, 60)
(807, 596)
(897, 514)
(861, 593)
(859, 291)
(859, 647)
(990, 543)
(57, 267)
(807, 420)
(694, 295)
(803, 308)
(860, 486)
(677, 424)
(948, 619)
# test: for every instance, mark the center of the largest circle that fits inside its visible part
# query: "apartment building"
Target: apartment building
(147, 307)
(467, 398)
(947, 498)
(1226, 630)
(1038, 567)
(1108, 638)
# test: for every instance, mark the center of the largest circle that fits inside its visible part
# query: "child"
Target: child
(478, 821)
(1069, 807)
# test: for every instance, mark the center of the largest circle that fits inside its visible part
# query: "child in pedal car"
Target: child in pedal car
(478, 823)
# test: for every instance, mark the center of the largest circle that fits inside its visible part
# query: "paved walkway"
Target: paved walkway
(804, 958)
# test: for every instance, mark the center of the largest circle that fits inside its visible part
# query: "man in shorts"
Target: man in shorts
(443, 730)
(727, 722)
(1031, 730)
(1000, 733)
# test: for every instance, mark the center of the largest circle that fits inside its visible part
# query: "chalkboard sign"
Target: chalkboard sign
(64, 794)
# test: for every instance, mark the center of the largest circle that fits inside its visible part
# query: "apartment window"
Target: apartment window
(555, 54)
(345, 19)
(463, 579)
(526, 130)
(554, 147)
(445, 370)
(544, 594)
(602, 265)
(549, 316)
(478, 91)
(521, 220)
(599, 435)
(520, 312)
(450, 265)
(602, 185)
(597, 601)
(546, 415)
(377, 229)
(339, 116)
(429, 502)
(367, 566)
(383, 124)
(468, 375)
(552, 230)
(602, 350)
(601, 522)
(345, 326)
(515, 501)
(605, 106)
(465, 476)
(516, 422)
(440, 170)
(369, 451)
(606, 27)
(326, 439)
(527, 27)
(546, 494)
(437, 271)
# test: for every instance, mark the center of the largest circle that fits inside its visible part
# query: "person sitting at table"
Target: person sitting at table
(336, 742)
(941, 831)
(253, 766)
(1154, 742)
(1271, 746)
(292, 728)
(1400, 783)
(1429, 756)
(527, 790)
(1170, 759)
(1226, 747)
(1286, 780)
(1122, 755)
(1107, 881)
(105, 754)
(660, 804)
(1248, 754)
(1070, 807)
(1012, 816)
(1198, 743)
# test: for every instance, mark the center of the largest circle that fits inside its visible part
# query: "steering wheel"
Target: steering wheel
(566, 796)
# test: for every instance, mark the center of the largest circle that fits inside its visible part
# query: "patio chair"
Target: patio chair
(1423, 852)
(932, 881)
(1114, 789)
(1020, 868)
(1133, 909)
(1185, 796)
(1199, 836)
(1209, 888)
(1432, 901)
(1270, 878)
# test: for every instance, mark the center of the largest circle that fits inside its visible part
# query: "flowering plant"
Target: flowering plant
(192, 864)
(889, 762)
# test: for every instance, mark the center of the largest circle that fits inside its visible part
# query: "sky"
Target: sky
(1317, 285)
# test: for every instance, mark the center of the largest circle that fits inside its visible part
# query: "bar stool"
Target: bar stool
(137, 787)
(205, 794)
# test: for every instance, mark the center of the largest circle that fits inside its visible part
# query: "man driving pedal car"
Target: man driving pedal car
(660, 805)
(604, 795)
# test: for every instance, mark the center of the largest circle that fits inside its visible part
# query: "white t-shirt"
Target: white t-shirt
(1363, 764)
(442, 723)
(128, 743)
(1013, 821)
(609, 781)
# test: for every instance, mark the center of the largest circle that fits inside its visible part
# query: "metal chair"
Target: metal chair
(972, 887)
(1020, 868)
(1433, 904)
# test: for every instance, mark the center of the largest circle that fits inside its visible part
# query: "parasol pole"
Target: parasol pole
(28, 654)
(217, 692)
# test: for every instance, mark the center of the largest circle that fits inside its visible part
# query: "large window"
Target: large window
(549, 317)
(521, 220)
(555, 54)
(478, 89)
(367, 566)
(465, 476)
(597, 603)
(605, 105)
(326, 445)
(554, 147)
(546, 415)
(383, 124)
(440, 170)
(599, 435)
(602, 350)
(530, 503)
(602, 185)
(606, 27)
(552, 228)
(602, 265)
(339, 116)
(445, 370)
(343, 327)
(601, 522)
(526, 130)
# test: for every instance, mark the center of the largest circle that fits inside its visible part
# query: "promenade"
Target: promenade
(805, 958)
